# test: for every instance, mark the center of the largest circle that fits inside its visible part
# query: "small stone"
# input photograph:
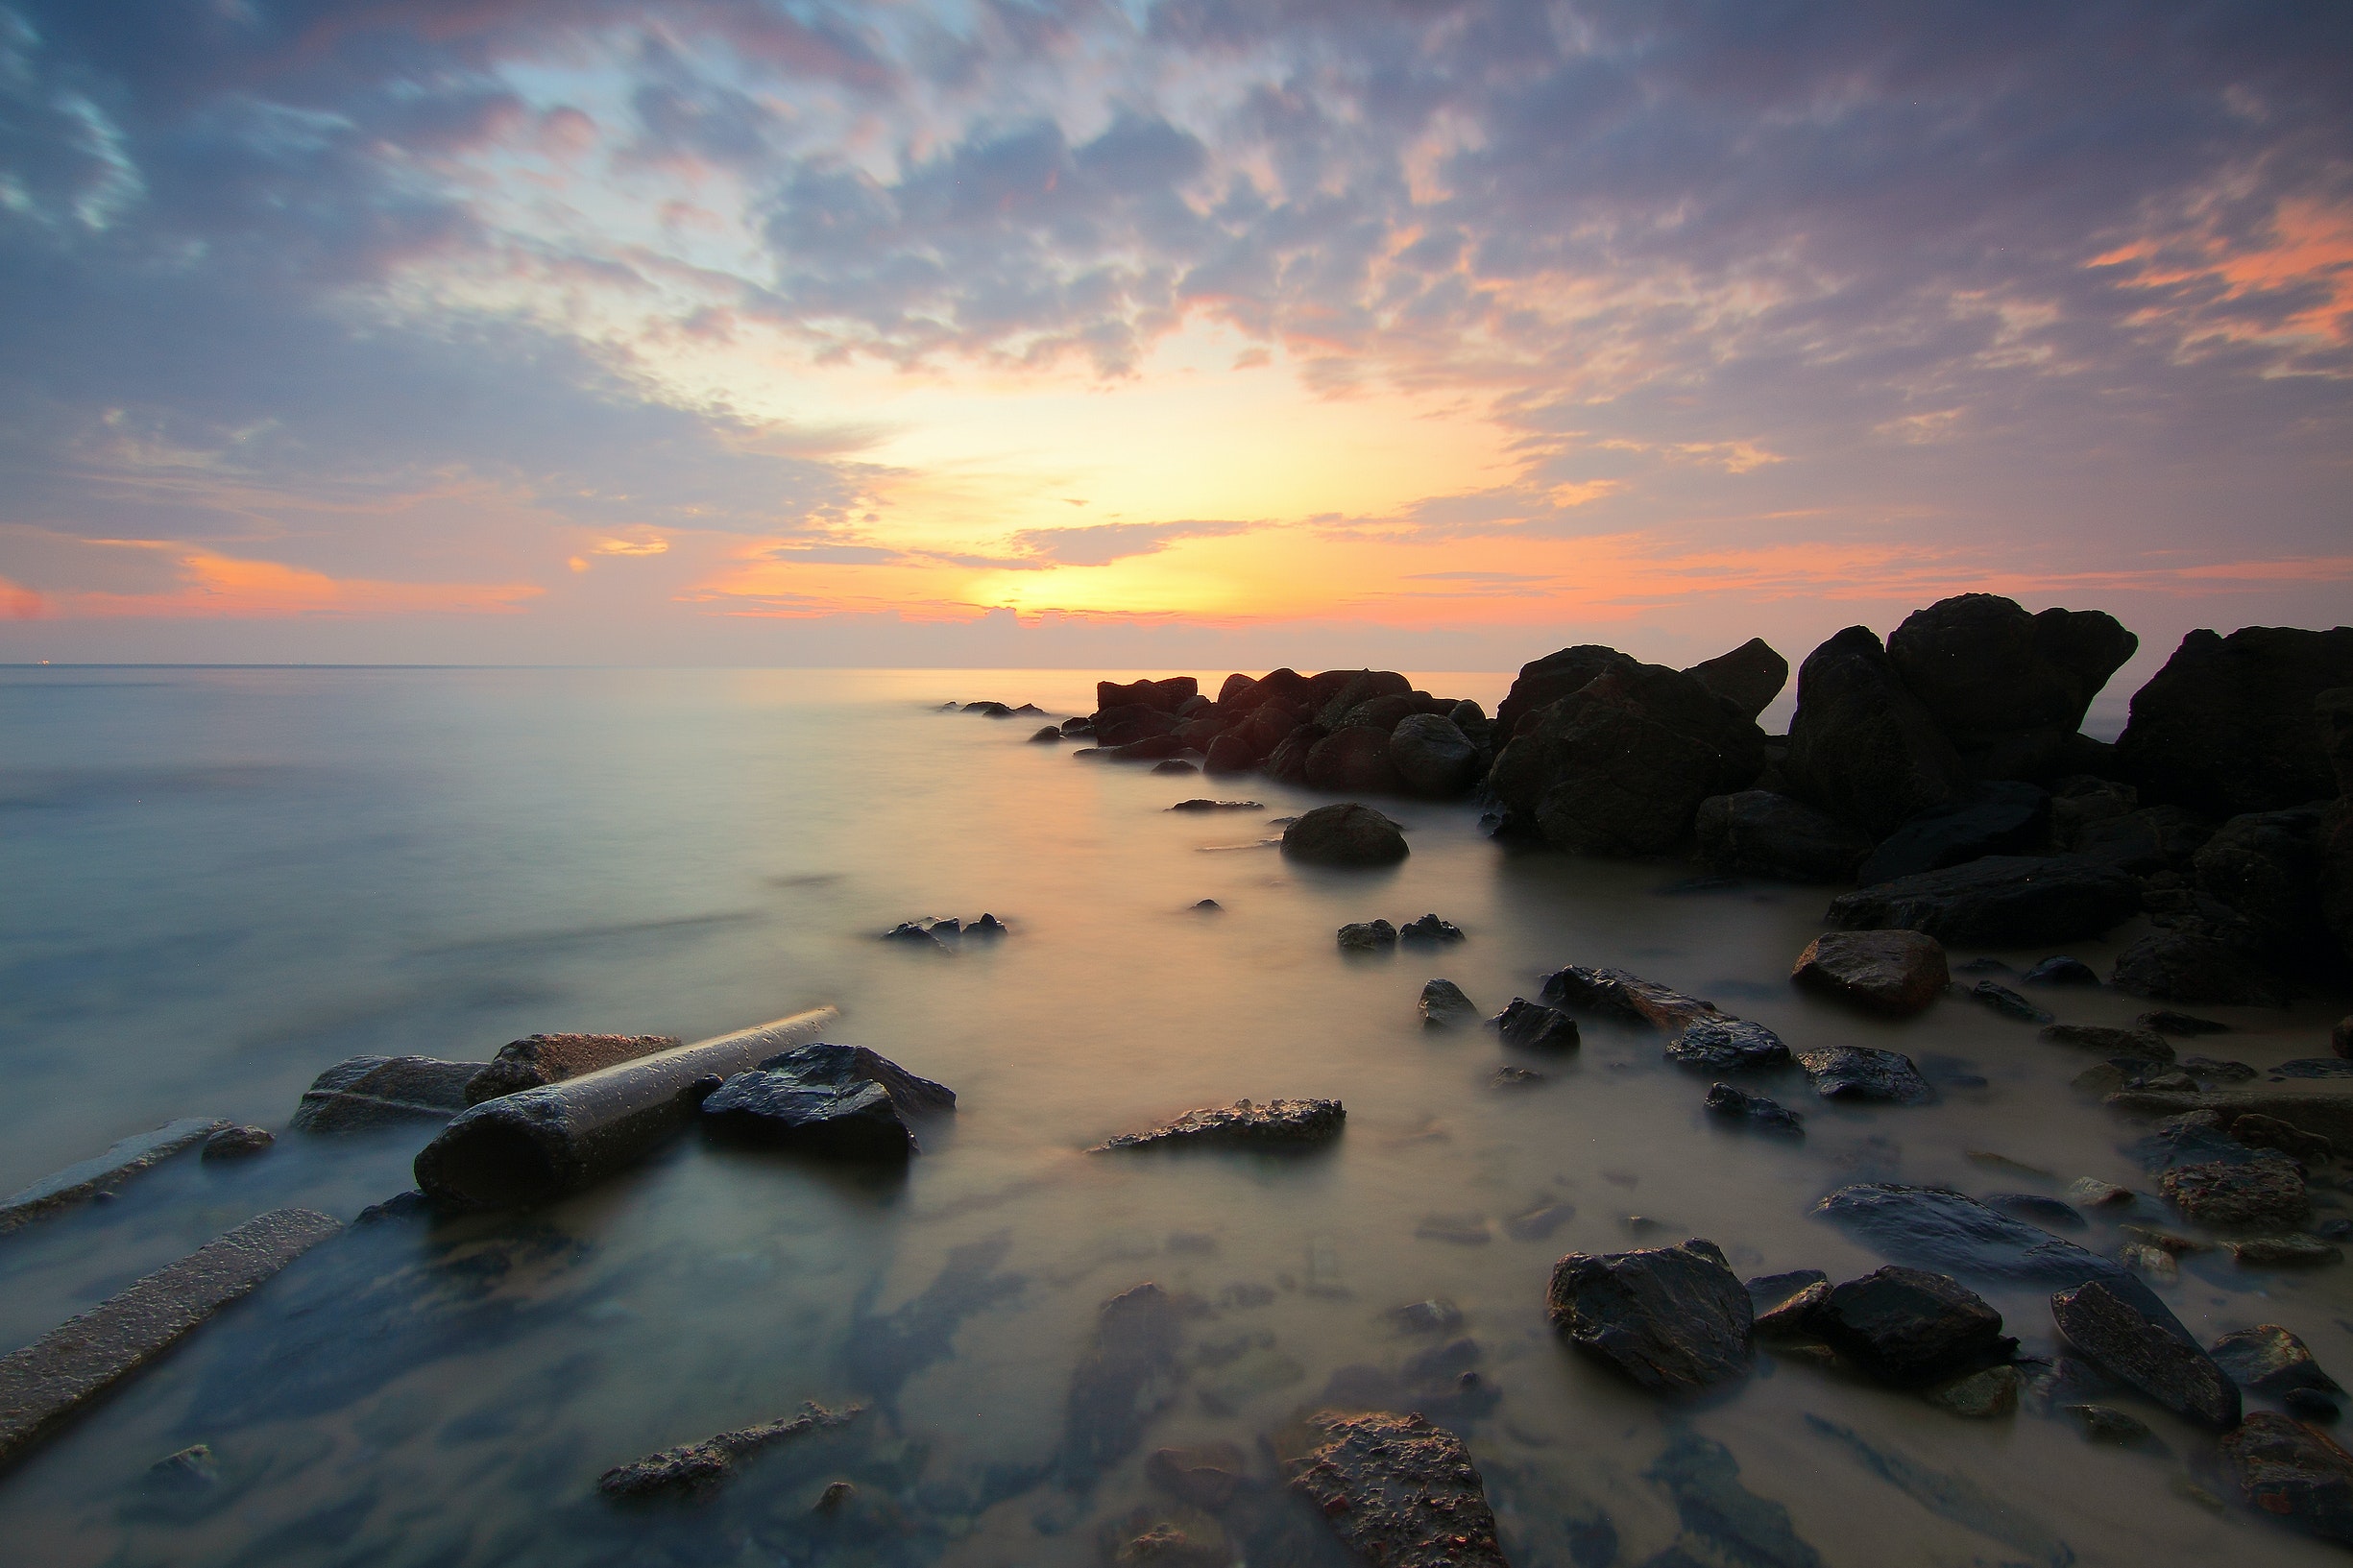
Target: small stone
(2267, 1189)
(1209, 907)
(1539, 1221)
(2166, 1241)
(1531, 1025)
(2166, 1020)
(839, 1494)
(238, 1142)
(1444, 1005)
(192, 1469)
(1779, 1303)
(1436, 1315)
(1367, 936)
(1981, 1395)
(2285, 1253)
(1730, 1105)
(2007, 1002)
(2062, 971)
(2106, 1424)
(2150, 1261)
(1893, 972)
(1197, 804)
(1429, 929)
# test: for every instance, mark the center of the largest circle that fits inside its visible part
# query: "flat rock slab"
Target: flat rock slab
(102, 1173)
(1276, 1125)
(2265, 1190)
(1397, 1491)
(367, 1092)
(49, 1380)
(2293, 1472)
(1909, 1326)
(1897, 972)
(551, 1058)
(695, 1468)
(1861, 1072)
(2147, 1354)
(1728, 1044)
(2003, 901)
(1675, 1319)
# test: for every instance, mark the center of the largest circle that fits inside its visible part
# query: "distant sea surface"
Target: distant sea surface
(216, 883)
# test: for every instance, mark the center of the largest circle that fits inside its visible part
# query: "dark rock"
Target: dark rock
(842, 1100)
(1276, 1125)
(2010, 689)
(1531, 1025)
(1547, 680)
(917, 934)
(2215, 1069)
(1339, 692)
(1752, 1110)
(2265, 1190)
(1749, 677)
(552, 1059)
(1367, 936)
(2293, 1473)
(1210, 907)
(1051, 735)
(2104, 1424)
(1674, 1320)
(1860, 1072)
(382, 1091)
(1861, 747)
(2145, 842)
(2080, 800)
(1397, 1490)
(2165, 1022)
(2312, 1405)
(2062, 971)
(1429, 929)
(1218, 806)
(1982, 1395)
(2005, 819)
(1153, 748)
(2335, 857)
(1953, 1496)
(1760, 833)
(238, 1142)
(1164, 696)
(2007, 1002)
(1909, 1326)
(193, 1470)
(696, 1468)
(2138, 1044)
(992, 710)
(1779, 1303)
(1175, 765)
(2265, 866)
(987, 928)
(1613, 993)
(1128, 1375)
(2258, 1131)
(1230, 752)
(2001, 901)
(1382, 713)
(2284, 1252)
(1933, 1227)
(1075, 726)
(2228, 724)
(1355, 758)
(1894, 971)
(1727, 1522)
(2150, 1355)
(1207, 1477)
(2196, 968)
(1287, 686)
(1728, 1044)
(1348, 834)
(2047, 1212)
(1508, 1076)
(1125, 726)
(1444, 1005)
(2341, 1038)
(98, 1177)
(2269, 1360)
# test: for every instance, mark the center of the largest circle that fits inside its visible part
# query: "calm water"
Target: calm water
(219, 882)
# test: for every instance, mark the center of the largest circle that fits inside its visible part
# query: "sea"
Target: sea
(216, 884)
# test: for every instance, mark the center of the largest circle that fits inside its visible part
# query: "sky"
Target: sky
(1195, 333)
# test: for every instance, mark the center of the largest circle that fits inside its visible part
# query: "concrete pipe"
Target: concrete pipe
(541, 1142)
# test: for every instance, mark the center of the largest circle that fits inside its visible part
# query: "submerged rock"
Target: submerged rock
(2265, 1190)
(367, 1092)
(1367, 936)
(1444, 1005)
(2061, 970)
(1347, 834)
(1953, 1496)
(1760, 833)
(1894, 971)
(102, 1173)
(1909, 1326)
(827, 1099)
(1397, 1491)
(2105, 1424)
(238, 1142)
(1199, 804)
(1730, 1105)
(2033, 1207)
(2007, 1002)
(1860, 1072)
(699, 1467)
(1277, 1124)
(1675, 1319)
(2293, 1473)
(2001, 901)
(1727, 1522)
(1979, 1396)
(1531, 1025)
(1728, 1044)
(1933, 1227)
(2285, 1253)
(1429, 929)
(552, 1059)
(2134, 1045)
(1128, 1375)
(2151, 1354)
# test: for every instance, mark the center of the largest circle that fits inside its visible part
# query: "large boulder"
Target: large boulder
(1383, 713)
(1287, 763)
(2266, 865)
(1353, 760)
(1752, 675)
(2335, 853)
(2145, 841)
(1346, 835)
(1342, 692)
(1894, 971)
(1240, 694)
(2199, 967)
(1763, 834)
(1620, 766)
(1164, 696)
(2003, 818)
(1861, 747)
(1433, 756)
(2003, 901)
(2229, 725)
(1674, 1320)
(2008, 689)
(1910, 1326)
(1547, 680)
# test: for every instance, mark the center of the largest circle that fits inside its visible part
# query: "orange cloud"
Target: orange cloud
(215, 586)
(2309, 247)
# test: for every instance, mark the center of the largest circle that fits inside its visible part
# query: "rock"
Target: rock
(1728, 1044)
(2001, 901)
(2145, 842)
(2153, 1355)
(827, 1099)
(1242, 695)
(1861, 747)
(1539, 1222)
(552, 1059)
(2284, 1252)
(1760, 833)
(1218, 806)
(2197, 968)
(1128, 1375)
(2265, 866)
(1516, 1078)
(1909, 1326)
(1893, 972)
(1382, 713)
(2105, 1424)
(86, 1179)
(1230, 753)
(1154, 748)
(1367, 936)
(382, 1091)
(699, 1467)
(1051, 735)
(1863, 1073)
(1429, 929)
(1953, 1496)
(2033, 1207)
(2270, 1359)
(1981, 1396)
(2257, 1131)
(2267, 1189)
(238, 1142)
(192, 1470)
(1444, 1005)
(1531, 1025)
(1175, 765)
(1547, 680)
(1613, 993)
(1778, 1304)
(991, 710)
(2061, 970)
(2164, 1021)
(1277, 1124)
(1397, 1490)
(1354, 758)
(1931, 1227)
(1724, 1520)
(2005, 819)
(2007, 1002)
(1210, 907)
(2215, 1069)
(987, 928)
(2010, 689)
(1164, 696)
(2335, 857)
(2341, 1038)
(2093, 1193)
(48, 1381)
(1207, 1477)
(917, 934)
(2296, 1474)
(2137, 1044)
(1432, 755)
(2228, 724)
(1675, 1319)
(1075, 726)
(1348, 834)
(1730, 1105)
(1749, 677)
(1336, 694)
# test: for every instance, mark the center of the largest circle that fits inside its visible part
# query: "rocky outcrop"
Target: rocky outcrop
(1861, 747)
(1278, 1125)
(1347, 834)
(842, 1100)
(2003, 901)
(1546, 681)
(1367, 936)
(1897, 973)
(1397, 1491)
(1760, 833)
(2008, 689)
(2294, 1473)
(1909, 1326)
(367, 1092)
(551, 1058)
(695, 1469)
(1432, 757)
(2151, 1354)
(1429, 932)
(2229, 725)
(2003, 818)
(1749, 677)
(1675, 1319)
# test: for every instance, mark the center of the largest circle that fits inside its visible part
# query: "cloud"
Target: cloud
(1104, 542)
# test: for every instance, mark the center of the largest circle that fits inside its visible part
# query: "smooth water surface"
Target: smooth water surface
(221, 881)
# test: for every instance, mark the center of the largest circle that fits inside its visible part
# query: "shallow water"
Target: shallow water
(222, 881)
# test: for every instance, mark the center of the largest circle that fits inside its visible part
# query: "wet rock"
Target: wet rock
(1175, 764)
(1128, 1375)
(2270, 1359)
(2284, 1252)
(552, 1059)
(2007, 1002)
(1981, 1396)
(2216, 1071)
(2180, 1024)
(1354, 758)
(367, 1092)
(2061, 970)
(1348, 835)
(1444, 1005)
(86, 1179)
(2132, 1045)
(988, 710)
(917, 934)
(1951, 1496)
(1861, 747)
(2228, 725)
(193, 1469)
(1508, 1077)
(2152, 1355)
(2267, 1189)
(1759, 833)
(2005, 819)
(2036, 1209)
(2106, 1424)
(2093, 1193)
(693, 1468)
(2296, 1474)
(2196, 967)
(987, 926)
(1395, 1489)
(1051, 735)
(1277, 1124)
(2146, 842)
(1730, 1104)
(1675, 1319)
(1432, 757)
(1778, 1304)
(1217, 805)
(1860, 1072)
(1429, 929)
(1728, 1044)
(2001, 901)
(1613, 993)
(1367, 936)
(834, 1100)
(1893, 972)
(50, 1380)
(2259, 1131)
(1531, 1025)
(1931, 1227)
(1909, 1326)
(1207, 1477)
(238, 1142)
(1726, 1521)
(1749, 677)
